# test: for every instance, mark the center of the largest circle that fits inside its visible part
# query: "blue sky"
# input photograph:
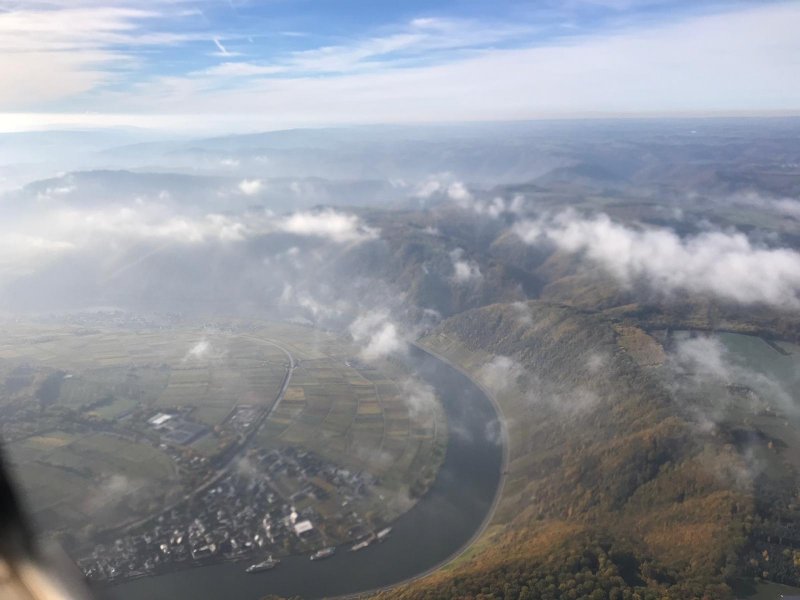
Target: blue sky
(247, 65)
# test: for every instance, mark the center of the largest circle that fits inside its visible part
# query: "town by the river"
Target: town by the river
(441, 524)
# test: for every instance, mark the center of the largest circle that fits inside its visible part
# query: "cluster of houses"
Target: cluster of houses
(267, 503)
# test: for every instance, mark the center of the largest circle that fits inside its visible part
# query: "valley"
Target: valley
(551, 360)
(126, 441)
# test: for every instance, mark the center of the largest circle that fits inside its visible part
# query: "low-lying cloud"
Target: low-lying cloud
(725, 264)
(419, 397)
(494, 207)
(205, 351)
(331, 309)
(377, 335)
(506, 375)
(500, 374)
(522, 313)
(458, 191)
(111, 491)
(44, 234)
(703, 368)
(251, 187)
(464, 271)
(199, 351)
(330, 224)
(785, 207)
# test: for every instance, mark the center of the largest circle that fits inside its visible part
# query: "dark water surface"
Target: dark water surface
(439, 524)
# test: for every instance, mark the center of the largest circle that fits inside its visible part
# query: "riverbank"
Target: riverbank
(438, 529)
(498, 495)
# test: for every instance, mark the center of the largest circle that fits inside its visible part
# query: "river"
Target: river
(772, 370)
(438, 526)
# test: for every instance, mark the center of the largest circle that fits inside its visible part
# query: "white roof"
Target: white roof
(303, 526)
(160, 419)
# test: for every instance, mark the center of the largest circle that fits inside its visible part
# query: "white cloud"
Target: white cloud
(54, 191)
(335, 226)
(500, 374)
(597, 362)
(242, 69)
(493, 208)
(30, 242)
(458, 191)
(142, 222)
(200, 350)
(726, 62)
(358, 55)
(331, 308)
(22, 253)
(419, 397)
(50, 231)
(504, 374)
(523, 313)
(786, 206)
(727, 265)
(704, 356)
(223, 51)
(445, 185)
(384, 341)
(703, 368)
(418, 38)
(782, 206)
(251, 187)
(428, 188)
(110, 491)
(377, 335)
(464, 271)
(49, 53)
(205, 351)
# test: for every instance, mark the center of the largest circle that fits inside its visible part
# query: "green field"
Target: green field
(72, 480)
(206, 370)
(354, 416)
(76, 403)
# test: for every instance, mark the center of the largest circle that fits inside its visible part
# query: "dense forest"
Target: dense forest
(613, 488)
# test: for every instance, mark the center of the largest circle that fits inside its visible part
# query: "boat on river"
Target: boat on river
(265, 565)
(324, 553)
(360, 545)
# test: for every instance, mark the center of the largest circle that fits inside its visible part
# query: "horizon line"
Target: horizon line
(185, 123)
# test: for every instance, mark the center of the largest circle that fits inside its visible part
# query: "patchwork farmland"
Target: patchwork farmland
(107, 427)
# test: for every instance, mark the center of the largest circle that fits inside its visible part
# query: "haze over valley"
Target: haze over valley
(581, 273)
(437, 299)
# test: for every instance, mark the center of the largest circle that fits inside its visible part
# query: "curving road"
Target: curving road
(436, 530)
(223, 470)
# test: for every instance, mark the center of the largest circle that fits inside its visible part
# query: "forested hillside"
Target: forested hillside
(612, 490)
